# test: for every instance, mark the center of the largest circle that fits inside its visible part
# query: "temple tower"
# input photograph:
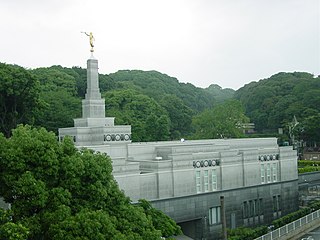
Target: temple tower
(94, 128)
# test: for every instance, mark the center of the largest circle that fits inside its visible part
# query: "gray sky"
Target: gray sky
(226, 42)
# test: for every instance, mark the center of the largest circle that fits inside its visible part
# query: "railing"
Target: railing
(290, 227)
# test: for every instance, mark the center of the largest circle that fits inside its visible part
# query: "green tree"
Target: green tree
(271, 103)
(19, 97)
(10, 230)
(155, 85)
(148, 119)
(223, 121)
(219, 93)
(160, 221)
(59, 192)
(58, 110)
(180, 116)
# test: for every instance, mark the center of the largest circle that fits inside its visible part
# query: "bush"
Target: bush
(243, 233)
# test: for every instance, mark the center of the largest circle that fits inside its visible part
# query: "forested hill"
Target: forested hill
(220, 94)
(157, 106)
(272, 103)
(156, 85)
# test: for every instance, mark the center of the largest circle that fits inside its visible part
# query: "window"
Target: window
(279, 203)
(274, 172)
(262, 174)
(275, 204)
(214, 180)
(214, 215)
(258, 208)
(245, 210)
(198, 181)
(261, 206)
(255, 207)
(206, 180)
(250, 208)
(268, 173)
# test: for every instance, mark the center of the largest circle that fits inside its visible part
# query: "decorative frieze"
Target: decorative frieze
(206, 163)
(117, 137)
(269, 157)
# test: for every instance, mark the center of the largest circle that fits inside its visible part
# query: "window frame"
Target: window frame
(215, 215)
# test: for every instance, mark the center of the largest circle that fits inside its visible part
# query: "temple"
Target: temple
(257, 179)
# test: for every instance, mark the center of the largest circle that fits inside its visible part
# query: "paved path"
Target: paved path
(312, 235)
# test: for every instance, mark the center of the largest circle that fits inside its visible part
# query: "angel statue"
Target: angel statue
(91, 39)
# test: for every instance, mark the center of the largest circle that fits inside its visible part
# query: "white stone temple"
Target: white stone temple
(185, 179)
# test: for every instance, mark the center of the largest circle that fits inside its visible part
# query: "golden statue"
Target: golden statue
(91, 39)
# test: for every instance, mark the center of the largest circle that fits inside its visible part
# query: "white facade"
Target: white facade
(165, 171)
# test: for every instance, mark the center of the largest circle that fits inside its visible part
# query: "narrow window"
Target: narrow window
(275, 204)
(198, 181)
(279, 203)
(262, 174)
(214, 180)
(261, 206)
(214, 215)
(274, 172)
(250, 208)
(206, 180)
(255, 208)
(268, 173)
(245, 209)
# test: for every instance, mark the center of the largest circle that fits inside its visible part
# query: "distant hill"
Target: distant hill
(220, 94)
(273, 102)
(155, 85)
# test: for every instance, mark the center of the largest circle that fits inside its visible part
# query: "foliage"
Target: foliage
(272, 103)
(308, 169)
(296, 215)
(156, 85)
(159, 220)
(223, 121)
(148, 119)
(308, 166)
(59, 192)
(219, 94)
(243, 233)
(60, 104)
(304, 163)
(310, 128)
(10, 230)
(19, 97)
(180, 116)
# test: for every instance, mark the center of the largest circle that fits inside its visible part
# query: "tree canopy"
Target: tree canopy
(19, 97)
(59, 192)
(273, 103)
(226, 120)
(149, 120)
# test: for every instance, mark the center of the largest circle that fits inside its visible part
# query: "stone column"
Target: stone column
(93, 106)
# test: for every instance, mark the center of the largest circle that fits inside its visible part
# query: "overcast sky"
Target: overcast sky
(226, 42)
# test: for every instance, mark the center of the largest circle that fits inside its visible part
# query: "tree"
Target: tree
(155, 85)
(148, 119)
(180, 116)
(60, 105)
(271, 103)
(223, 121)
(160, 221)
(58, 110)
(10, 230)
(19, 97)
(220, 94)
(59, 192)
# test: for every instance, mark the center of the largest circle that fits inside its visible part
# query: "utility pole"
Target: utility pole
(223, 219)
